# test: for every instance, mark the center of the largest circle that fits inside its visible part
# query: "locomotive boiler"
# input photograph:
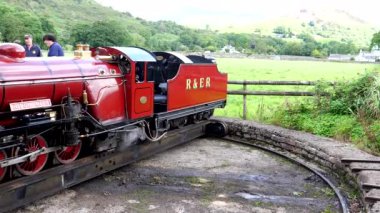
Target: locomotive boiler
(54, 109)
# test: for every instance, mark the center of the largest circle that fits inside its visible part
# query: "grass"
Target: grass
(350, 113)
(262, 108)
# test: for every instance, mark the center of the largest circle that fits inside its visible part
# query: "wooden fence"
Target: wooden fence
(244, 92)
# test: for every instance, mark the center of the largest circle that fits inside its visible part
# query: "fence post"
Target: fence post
(244, 101)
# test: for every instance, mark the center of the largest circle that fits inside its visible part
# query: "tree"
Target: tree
(306, 37)
(267, 45)
(16, 23)
(308, 47)
(290, 34)
(101, 33)
(137, 40)
(279, 30)
(164, 41)
(337, 47)
(316, 54)
(375, 40)
(292, 48)
(188, 38)
(80, 33)
(47, 26)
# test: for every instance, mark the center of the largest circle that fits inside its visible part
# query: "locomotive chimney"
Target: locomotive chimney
(82, 51)
(79, 47)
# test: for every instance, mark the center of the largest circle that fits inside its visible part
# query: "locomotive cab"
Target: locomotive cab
(133, 63)
(180, 80)
(164, 70)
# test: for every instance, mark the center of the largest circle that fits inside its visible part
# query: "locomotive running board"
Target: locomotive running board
(25, 190)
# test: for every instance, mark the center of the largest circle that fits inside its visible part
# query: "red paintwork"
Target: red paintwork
(143, 100)
(11, 52)
(134, 90)
(31, 167)
(113, 96)
(181, 97)
(32, 70)
(68, 154)
(106, 96)
(37, 76)
(106, 99)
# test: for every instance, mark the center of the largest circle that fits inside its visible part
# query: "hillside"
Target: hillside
(324, 25)
(305, 33)
(64, 15)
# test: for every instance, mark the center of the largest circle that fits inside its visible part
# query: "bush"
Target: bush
(351, 97)
(350, 113)
(316, 53)
(360, 96)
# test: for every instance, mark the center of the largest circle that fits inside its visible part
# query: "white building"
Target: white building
(372, 56)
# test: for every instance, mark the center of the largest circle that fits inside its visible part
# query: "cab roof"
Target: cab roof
(136, 54)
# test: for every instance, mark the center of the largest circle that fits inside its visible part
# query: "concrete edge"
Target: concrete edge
(324, 151)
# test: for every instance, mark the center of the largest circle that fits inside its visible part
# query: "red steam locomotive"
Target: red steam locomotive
(60, 107)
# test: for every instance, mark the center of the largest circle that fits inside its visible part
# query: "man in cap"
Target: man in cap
(31, 50)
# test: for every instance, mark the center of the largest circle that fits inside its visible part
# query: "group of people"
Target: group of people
(33, 50)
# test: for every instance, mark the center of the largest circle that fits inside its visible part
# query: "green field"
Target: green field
(261, 108)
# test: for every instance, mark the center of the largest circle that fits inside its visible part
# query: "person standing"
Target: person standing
(31, 50)
(54, 48)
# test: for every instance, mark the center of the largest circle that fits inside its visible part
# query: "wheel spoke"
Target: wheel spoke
(68, 154)
(32, 167)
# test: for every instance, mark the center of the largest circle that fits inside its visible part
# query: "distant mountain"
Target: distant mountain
(324, 25)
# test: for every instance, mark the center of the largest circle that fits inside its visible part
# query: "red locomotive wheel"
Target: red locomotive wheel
(68, 154)
(34, 165)
(3, 156)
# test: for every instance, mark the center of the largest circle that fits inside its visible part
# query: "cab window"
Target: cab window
(140, 72)
(124, 65)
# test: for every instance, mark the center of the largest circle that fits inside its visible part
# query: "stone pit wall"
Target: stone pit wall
(324, 151)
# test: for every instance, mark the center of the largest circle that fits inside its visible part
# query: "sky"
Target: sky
(228, 12)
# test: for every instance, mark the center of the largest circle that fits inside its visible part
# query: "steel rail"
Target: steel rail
(24, 190)
(343, 202)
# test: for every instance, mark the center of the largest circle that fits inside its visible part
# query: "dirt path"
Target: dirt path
(203, 176)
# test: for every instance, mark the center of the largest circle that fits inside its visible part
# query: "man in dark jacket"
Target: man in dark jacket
(31, 50)
(54, 48)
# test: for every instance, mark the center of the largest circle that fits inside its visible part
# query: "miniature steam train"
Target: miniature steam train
(53, 109)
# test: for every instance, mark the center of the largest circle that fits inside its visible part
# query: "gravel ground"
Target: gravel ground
(206, 175)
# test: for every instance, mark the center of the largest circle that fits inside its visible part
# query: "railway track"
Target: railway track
(342, 200)
(24, 190)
